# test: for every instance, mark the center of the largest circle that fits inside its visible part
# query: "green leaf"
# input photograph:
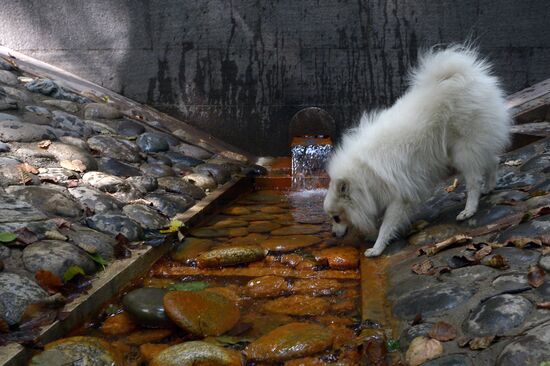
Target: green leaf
(173, 227)
(71, 272)
(96, 257)
(189, 286)
(392, 344)
(7, 237)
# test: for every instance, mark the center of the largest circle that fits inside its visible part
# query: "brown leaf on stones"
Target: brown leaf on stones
(121, 247)
(543, 305)
(75, 165)
(453, 240)
(423, 349)
(497, 261)
(44, 144)
(521, 242)
(61, 223)
(424, 268)
(26, 236)
(481, 342)
(463, 341)
(483, 252)
(442, 331)
(26, 167)
(535, 276)
(48, 281)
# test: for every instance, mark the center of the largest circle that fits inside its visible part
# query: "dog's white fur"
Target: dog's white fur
(453, 115)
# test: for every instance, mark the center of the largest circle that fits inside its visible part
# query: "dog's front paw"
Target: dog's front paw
(373, 252)
(464, 215)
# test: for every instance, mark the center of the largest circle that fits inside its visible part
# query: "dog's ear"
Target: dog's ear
(342, 187)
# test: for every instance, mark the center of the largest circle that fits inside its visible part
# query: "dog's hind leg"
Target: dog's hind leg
(467, 162)
(490, 176)
(396, 215)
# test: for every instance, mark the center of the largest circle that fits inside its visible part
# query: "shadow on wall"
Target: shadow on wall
(242, 69)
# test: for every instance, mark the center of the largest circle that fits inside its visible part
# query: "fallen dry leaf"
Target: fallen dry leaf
(44, 144)
(481, 342)
(75, 165)
(463, 341)
(26, 236)
(535, 276)
(483, 252)
(423, 349)
(543, 305)
(497, 261)
(26, 167)
(121, 247)
(442, 331)
(48, 281)
(452, 187)
(424, 268)
(453, 240)
(521, 242)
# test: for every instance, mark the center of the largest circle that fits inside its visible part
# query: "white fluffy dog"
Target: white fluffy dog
(453, 115)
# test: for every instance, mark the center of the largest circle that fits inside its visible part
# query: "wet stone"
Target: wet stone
(229, 223)
(340, 258)
(102, 111)
(146, 216)
(9, 117)
(514, 282)
(25, 132)
(498, 198)
(70, 122)
(114, 224)
(532, 348)
(470, 274)
(13, 210)
(220, 173)
(544, 291)
(236, 211)
(65, 105)
(303, 229)
(57, 175)
(38, 110)
(254, 170)
(49, 87)
(109, 146)
(181, 159)
(433, 234)
(209, 232)
(431, 300)
(491, 215)
(262, 226)
(229, 256)
(290, 341)
(498, 316)
(90, 240)
(190, 248)
(267, 286)
(289, 243)
(450, 360)
(82, 351)
(536, 163)
(157, 170)
(72, 152)
(511, 180)
(298, 305)
(532, 228)
(56, 256)
(105, 182)
(197, 353)
(94, 200)
(8, 78)
(515, 257)
(16, 292)
(158, 158)
(178, 185)
(201, 313)
(544, 262)
(170, 204)
(145, 305)
(9, 173)
(115, 167)
(150, 142)
(143, 183)
(18, 94)
(48, 200)
(193, 151)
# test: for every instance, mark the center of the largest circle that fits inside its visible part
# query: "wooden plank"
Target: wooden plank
(530, 99)
(121, 273)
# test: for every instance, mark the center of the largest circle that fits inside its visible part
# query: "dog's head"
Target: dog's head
(336, 204)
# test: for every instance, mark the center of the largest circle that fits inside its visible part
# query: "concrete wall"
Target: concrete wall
(240, 69)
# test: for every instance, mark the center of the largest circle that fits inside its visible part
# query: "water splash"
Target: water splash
(307, 206)
(309, 158)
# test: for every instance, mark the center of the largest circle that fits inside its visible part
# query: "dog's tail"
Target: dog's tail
(455, 64)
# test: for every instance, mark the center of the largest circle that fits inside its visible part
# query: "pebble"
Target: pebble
(289, 243)
(197, 353)
(9, 172)
(157, 170)
(130, 128)
(178, 185)
(16, 293)
(532, 348)
(115, 147)
(101, 110)
(56, 256)
(116, 167)
(94, 200)
(290, 341)
(145, 304)
(262, 226)
(201, 313)
(90, 240)
(65, 105)
(151, 142)
(9, 117)
(340, 258)
(230, 256)
(158, 158)
(219, 173)
(190, 248)
(450, 360)
(146, 216)
(51, 201)
(209, 232)
(304, 229)
(82, 351)
(170, 204)
(69, 122)
(51, 88)
(115, 224)
(181, 159)
(71, 152)
(544, 262)
(298, 305)
(105, 182)
(267, 286)
(8, 78)
(515, 257)
(15, 210)
(193, 151)
(25, 132)
(143, 183)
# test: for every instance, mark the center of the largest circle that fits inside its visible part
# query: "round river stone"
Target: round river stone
(304, 229)
(56, 256)
(201, 313)
(197, 353)
(289, 243)
(229, 256)
(16, 292)
(81, 351)
(146, 306)
(530, 349)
